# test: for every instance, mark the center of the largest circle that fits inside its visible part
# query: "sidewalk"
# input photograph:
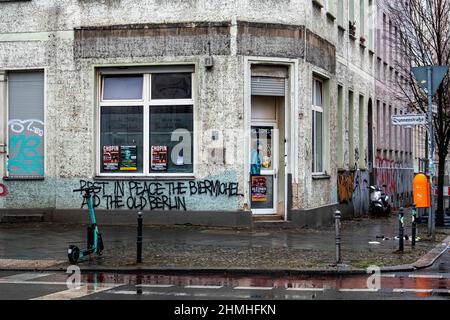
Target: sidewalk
(263, 249)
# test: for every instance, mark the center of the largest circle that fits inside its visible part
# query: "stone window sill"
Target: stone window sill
(24, 178)
(317, 3)
(331, 16)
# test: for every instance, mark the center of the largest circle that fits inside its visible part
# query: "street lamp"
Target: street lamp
(430, 78)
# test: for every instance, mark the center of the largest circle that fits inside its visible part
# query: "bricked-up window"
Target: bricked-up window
(26, 132)
(146, 122)
(317, 126)
(340, 13)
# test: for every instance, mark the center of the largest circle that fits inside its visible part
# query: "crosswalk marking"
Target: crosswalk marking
(203, 287)
(427, 276)
(253, 288)
(388, 275)
(155, 285)
(24, 276)
(359, 290)
(413, 290)
(74, 293)
(305, 289)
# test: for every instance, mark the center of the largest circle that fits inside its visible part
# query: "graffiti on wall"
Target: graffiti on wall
(395, 178)
(353, 189)
(26, 147)
(360, 195)
(155, 195)
(345, 187)
(3, 190)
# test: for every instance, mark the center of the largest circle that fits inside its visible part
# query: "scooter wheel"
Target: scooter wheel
(73, 253)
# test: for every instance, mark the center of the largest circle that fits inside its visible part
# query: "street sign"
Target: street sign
(409, 119)
(446, 191)
(438, 74)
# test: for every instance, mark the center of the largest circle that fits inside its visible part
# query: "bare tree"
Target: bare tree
(423, 39)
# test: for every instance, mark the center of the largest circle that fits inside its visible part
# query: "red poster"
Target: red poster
(259, 189)
(159, 158)
(110, 158)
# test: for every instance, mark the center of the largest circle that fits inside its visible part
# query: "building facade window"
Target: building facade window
(361, 127)
(146, 123)
(351, 124)
(362, 18)
(340, 128)
(317, 126)
(26, 132)
(340, 13)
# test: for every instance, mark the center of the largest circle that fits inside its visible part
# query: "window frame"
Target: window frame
(146, 103)
(314, 110)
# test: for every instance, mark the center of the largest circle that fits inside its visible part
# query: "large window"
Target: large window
(146, 122)
(317, 126)
(26, 125)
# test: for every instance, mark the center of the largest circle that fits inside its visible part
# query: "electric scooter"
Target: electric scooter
(94, 238)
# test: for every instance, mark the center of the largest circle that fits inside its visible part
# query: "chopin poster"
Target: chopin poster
(110, 158)
(128, 158)
(259, 189)
(159, 158)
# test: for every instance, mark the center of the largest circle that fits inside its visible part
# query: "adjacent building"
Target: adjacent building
(202, 112)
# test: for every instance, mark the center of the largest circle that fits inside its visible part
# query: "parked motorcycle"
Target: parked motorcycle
(379, 201)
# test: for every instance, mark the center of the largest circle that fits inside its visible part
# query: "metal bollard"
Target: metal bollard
(139, 239)
(414, 225)
(337, 219)
(401, 230)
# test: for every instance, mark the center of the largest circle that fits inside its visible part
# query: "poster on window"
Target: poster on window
(110, 158)
(128, 158)
(259, 189)
(159, 158)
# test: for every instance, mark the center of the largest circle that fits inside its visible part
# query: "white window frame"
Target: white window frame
(146, 103)
(314, 109)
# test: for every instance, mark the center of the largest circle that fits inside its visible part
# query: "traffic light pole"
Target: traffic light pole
(431, 219)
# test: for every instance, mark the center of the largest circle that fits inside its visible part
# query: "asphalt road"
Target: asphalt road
(432, 283)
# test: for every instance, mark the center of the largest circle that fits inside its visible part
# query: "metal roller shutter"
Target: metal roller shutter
(267, 86)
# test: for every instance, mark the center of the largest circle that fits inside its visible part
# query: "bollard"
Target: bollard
(337, 218)
(414, 225)
(139, 239)
(401, 230)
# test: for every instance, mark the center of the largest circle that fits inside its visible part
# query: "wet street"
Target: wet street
(431, 283)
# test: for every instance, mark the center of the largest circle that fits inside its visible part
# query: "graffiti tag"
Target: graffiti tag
(155, 195)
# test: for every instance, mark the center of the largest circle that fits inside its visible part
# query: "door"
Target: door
(264, 168)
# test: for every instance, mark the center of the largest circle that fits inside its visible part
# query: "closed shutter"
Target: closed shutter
(26, 124)
(267, 86)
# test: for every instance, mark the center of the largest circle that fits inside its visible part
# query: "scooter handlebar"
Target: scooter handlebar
(91, 189)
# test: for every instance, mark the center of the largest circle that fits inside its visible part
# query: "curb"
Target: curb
(430, 258)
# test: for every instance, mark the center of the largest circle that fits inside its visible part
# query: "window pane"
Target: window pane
(26, 124)
(171, 139)
(127, 87)
(121, 139)
(319, 142)
(318, 93)
(171, 86)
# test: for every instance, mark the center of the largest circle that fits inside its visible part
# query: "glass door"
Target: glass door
(264, 169)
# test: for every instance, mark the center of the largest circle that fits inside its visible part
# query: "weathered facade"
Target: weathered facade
(202, 111)
(399, 153)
